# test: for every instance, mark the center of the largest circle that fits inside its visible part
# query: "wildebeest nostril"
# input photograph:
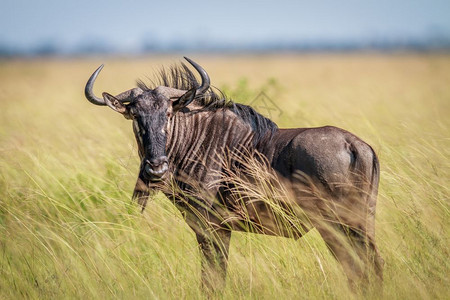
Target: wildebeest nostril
(155, 162)
(156, 168)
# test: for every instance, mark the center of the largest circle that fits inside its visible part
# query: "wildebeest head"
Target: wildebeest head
(150, 111)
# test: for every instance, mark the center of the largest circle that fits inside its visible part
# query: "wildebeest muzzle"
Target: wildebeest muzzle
(154, 169)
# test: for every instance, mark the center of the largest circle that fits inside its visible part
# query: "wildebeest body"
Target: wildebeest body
(190, 139)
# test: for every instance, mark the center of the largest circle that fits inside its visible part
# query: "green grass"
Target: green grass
(67, 170)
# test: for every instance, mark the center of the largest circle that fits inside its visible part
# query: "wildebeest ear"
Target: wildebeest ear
(184, 100)
(114, 103)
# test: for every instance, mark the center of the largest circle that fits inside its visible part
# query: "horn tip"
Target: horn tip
(98, 70)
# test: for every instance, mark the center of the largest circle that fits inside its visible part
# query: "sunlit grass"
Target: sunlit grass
(67, 170)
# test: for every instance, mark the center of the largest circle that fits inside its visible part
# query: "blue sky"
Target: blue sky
(126, 24)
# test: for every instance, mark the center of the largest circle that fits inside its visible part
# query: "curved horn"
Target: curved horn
(126, 96)
(205, 77)
(88, 89)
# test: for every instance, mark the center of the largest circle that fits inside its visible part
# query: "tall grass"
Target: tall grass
(67, 169)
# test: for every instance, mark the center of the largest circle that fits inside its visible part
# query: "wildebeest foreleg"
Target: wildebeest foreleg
(214, 247)
(141, 193)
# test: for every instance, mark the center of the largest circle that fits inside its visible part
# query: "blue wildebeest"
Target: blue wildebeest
(186, 133)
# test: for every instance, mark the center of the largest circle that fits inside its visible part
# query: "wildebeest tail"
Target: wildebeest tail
(374, 182)
(366, 169)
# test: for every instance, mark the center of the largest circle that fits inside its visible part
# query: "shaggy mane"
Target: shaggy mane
(181, 77)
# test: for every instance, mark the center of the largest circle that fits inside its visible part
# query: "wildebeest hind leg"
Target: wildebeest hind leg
(345, 248)
(355, 249)
(373, 255)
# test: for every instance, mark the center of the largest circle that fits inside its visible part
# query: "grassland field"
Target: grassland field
(67, 170)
